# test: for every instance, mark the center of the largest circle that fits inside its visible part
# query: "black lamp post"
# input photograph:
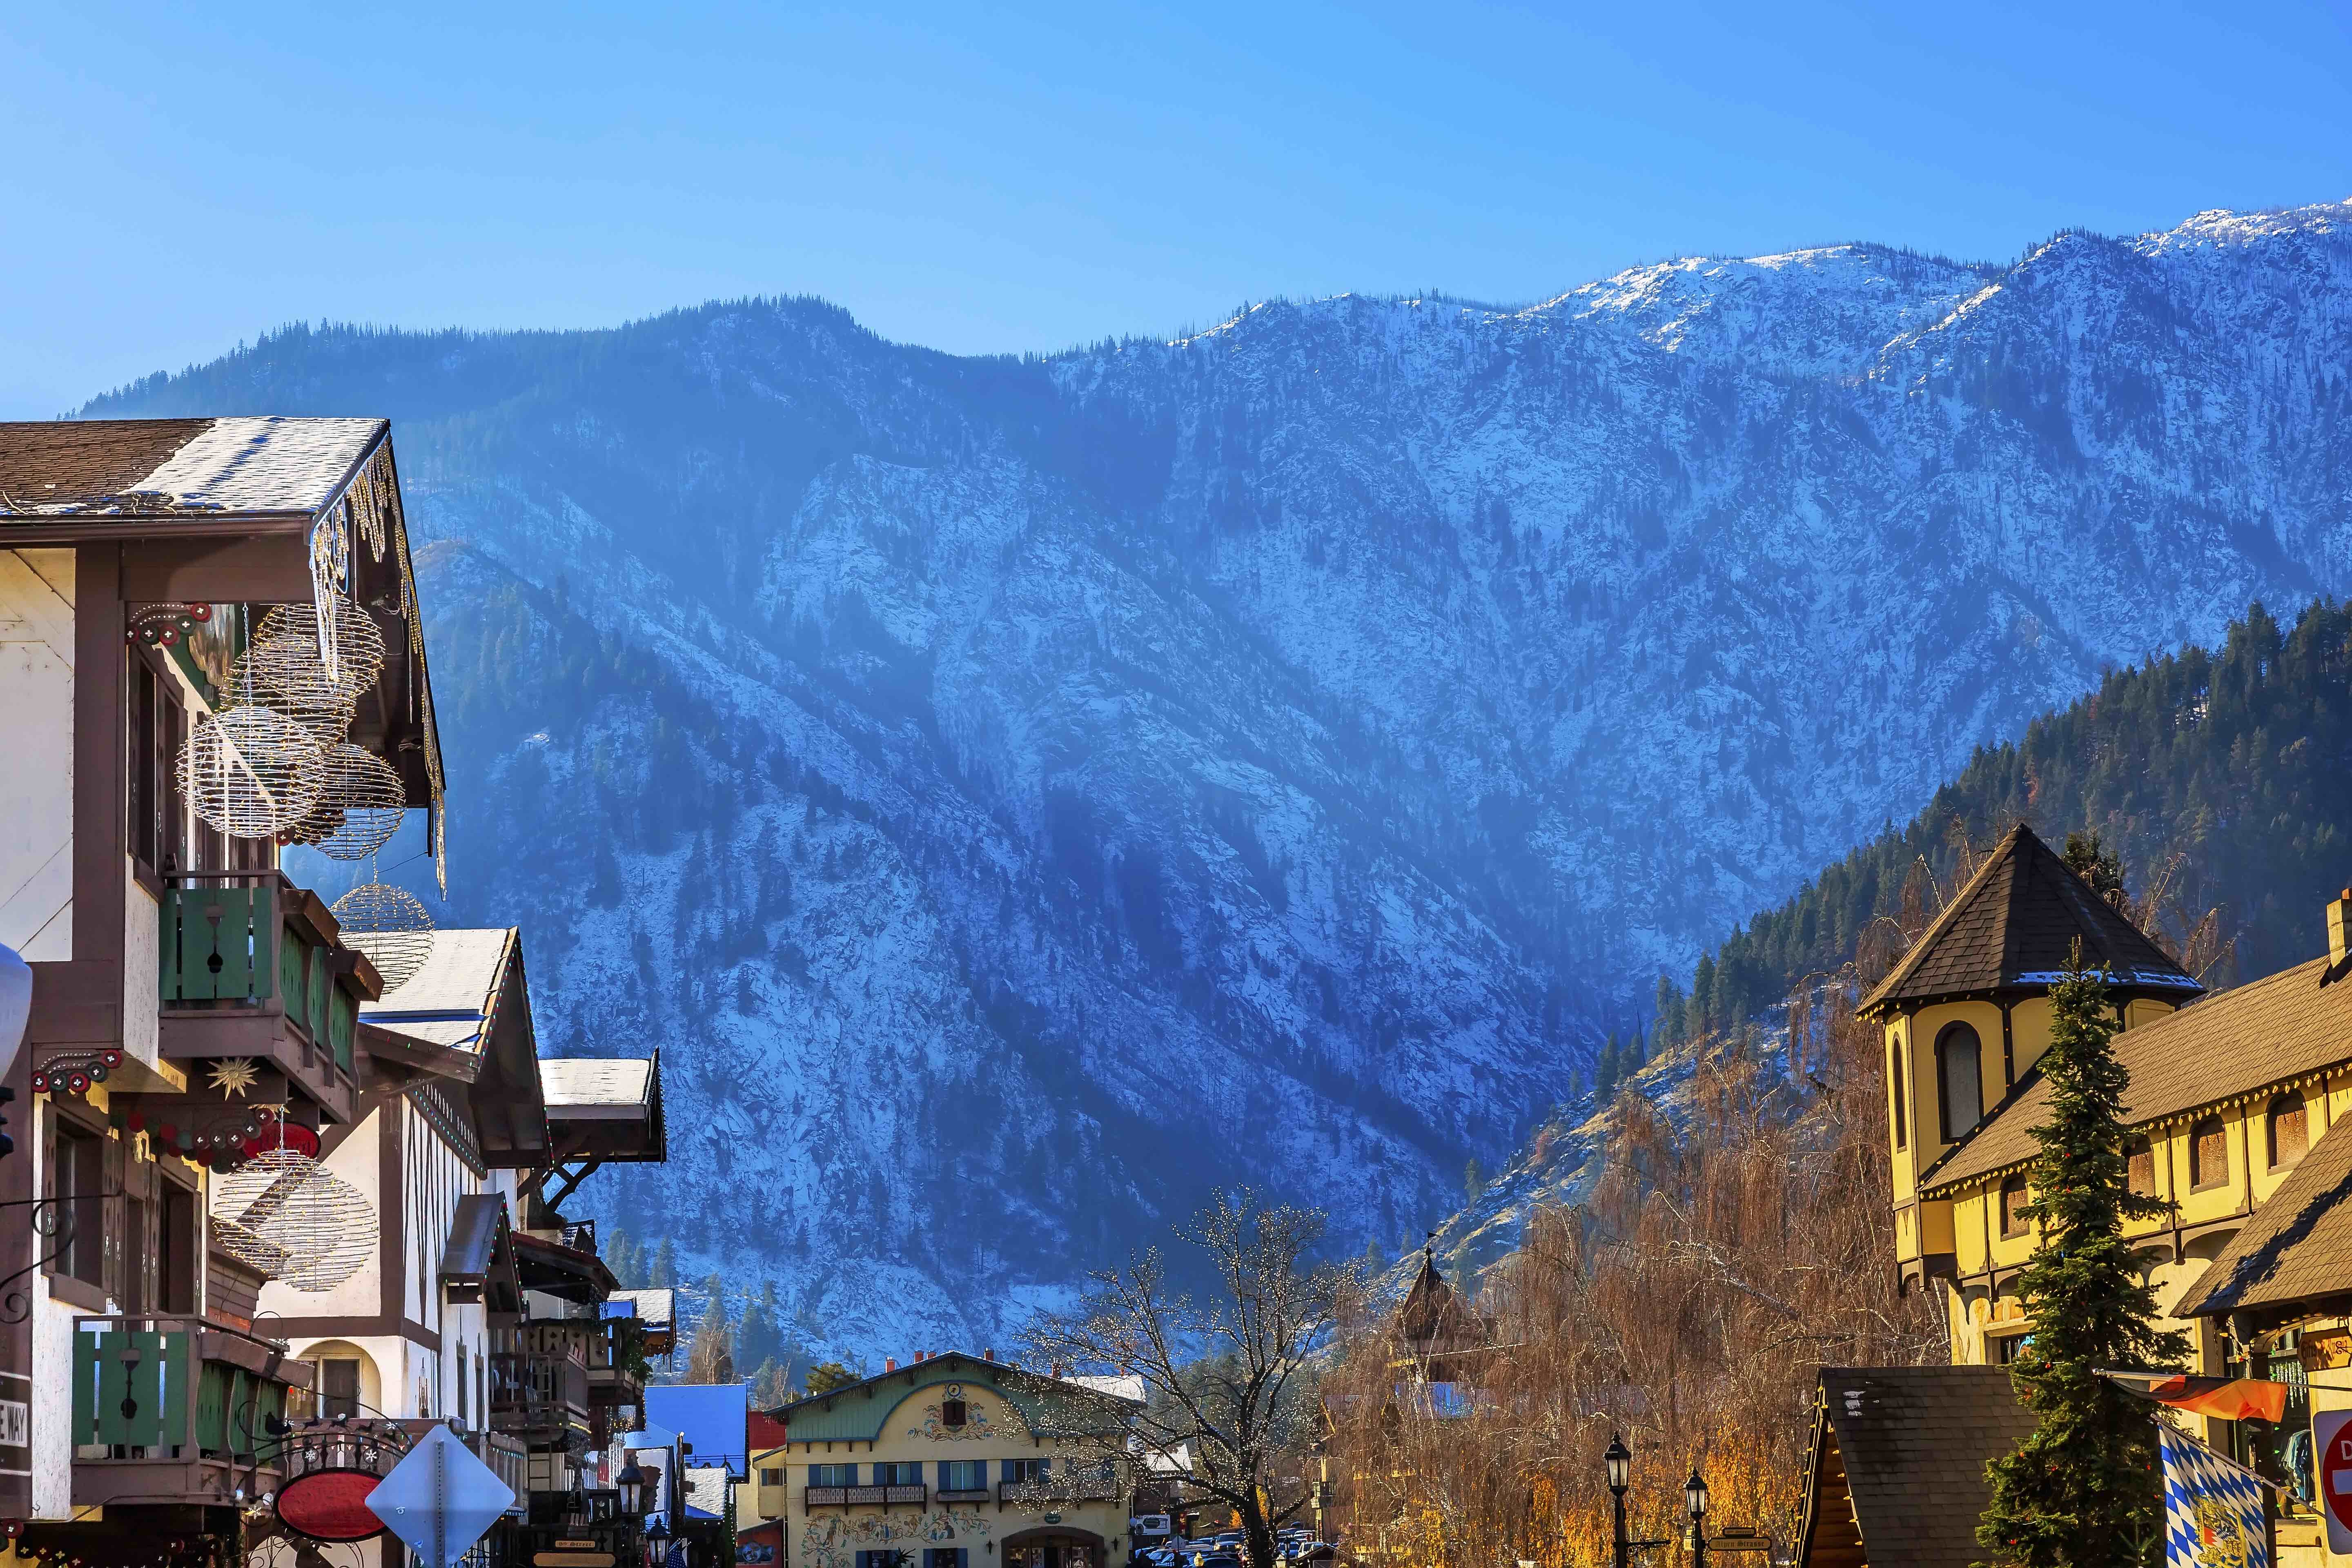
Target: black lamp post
(657, 1544)
(1695, 1497)
(1620, 1462)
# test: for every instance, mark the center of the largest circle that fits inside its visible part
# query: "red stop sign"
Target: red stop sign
(2331, 1442)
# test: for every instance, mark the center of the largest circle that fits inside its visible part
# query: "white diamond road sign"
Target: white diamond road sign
(440, 1499)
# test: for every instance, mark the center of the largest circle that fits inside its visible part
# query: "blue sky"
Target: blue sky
(179, 178)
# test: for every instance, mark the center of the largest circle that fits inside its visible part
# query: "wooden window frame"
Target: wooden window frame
(2271, 1115)
(1945, 1037)
(2134, 1149)
(2013, 1224)
(69, 1123)
(1894, 1082)
(2202, 1181)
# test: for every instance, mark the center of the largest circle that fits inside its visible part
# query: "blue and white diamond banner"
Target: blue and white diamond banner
(2212, 1508)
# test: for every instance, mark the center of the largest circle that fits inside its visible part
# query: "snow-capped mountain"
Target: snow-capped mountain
(1018, 795)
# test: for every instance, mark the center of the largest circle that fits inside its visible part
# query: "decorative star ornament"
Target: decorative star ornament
(233, 1076)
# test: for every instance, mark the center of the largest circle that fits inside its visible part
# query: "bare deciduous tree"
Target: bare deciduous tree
(1226, 1379)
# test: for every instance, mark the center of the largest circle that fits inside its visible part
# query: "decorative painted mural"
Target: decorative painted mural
(833, 1543)
(977, 1425)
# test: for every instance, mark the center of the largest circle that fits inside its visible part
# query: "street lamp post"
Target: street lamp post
(1695, 1497)
(1620, 1462)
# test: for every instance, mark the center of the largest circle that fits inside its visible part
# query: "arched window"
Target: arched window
(2208, 1154)
(2012, 1207)
(1896, 1085)
(1959, 1080)
(2139, 1161)
(2287, 1131)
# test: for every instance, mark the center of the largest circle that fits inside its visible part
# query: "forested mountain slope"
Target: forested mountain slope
(1019, 794)
(2235, 762)
(2216, 774)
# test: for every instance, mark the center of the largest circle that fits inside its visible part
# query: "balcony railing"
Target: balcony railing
(233, 939)
(537, 1393)
(165, 1408)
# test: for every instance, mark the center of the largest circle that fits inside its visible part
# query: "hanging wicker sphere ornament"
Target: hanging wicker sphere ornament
(358, 640)
(366, 800)
(285, 1215)
(251, 772)
(390, 926)
(283, 672)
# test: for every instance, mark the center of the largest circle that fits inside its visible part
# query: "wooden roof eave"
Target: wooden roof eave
(1929, 1188)
(441, 1061)
(19, 533)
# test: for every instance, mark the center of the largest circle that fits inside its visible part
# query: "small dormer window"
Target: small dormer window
(952, 1412)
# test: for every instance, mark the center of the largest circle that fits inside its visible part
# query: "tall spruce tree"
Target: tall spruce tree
(2081, 1491)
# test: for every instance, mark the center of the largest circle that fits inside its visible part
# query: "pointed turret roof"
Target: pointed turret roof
(2014, 925)
(1434, 1317)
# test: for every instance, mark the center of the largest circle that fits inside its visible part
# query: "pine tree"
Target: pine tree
(1605, 1075)
(627, 1259)
(2081, 1491)
(827, 1376)
(2095, 864)
(665, 1265)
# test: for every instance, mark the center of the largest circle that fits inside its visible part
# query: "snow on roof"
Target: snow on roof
(447, 1001)
(570, 1083)
(655, 1308)
(170, 468)
(1129, 1386)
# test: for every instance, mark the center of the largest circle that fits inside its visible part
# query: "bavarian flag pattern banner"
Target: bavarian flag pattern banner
(2212, 1508)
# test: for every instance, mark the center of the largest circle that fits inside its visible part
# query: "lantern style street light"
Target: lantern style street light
(1619, 1462)
(632, 1484)
(657, 1544)
(1694, 1498)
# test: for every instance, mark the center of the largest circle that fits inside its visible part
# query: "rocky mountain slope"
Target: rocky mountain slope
(1018, 795)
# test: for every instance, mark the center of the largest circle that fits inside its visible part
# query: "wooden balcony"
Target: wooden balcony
(539, 1398)
(176, 1410)
(254, 967)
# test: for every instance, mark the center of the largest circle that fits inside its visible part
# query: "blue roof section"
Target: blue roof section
(710, 1415)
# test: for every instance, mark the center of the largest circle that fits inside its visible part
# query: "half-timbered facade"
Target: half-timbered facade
(256, 1188)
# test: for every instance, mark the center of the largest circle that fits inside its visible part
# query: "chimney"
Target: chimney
(889, 1363)
(988, 1355)
(2339, 926)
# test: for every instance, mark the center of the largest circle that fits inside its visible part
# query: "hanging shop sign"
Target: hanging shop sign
(330, 1505)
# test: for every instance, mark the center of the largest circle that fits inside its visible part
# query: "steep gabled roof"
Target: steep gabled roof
(2015, 924)
(2279, 1030)
(2298, 1245)
(1898, 1470)
(1433, 1319)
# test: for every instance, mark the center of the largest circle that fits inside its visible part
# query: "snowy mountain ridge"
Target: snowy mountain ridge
(1020, 795)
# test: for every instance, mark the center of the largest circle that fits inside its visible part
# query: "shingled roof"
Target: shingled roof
(2298, 1245)
(246, 466)
(1898, 1471)
(2015, 923)
(2277, 1030)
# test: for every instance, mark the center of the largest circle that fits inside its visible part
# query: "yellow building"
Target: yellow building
(2225, 1098)
(957, 1461)
(1965, 1015)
